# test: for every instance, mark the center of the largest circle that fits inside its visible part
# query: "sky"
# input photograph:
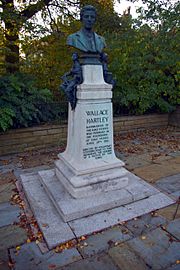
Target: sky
(120, 7)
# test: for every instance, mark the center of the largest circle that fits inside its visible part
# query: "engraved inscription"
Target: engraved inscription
(98, 139)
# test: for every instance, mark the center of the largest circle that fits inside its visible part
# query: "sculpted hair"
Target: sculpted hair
(87, 8)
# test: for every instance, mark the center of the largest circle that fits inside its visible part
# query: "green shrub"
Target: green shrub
(22, 103)
(145, 64)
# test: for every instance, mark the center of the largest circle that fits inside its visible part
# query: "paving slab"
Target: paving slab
(169, 212)
(135, 161)
(6, 168)
(174, 267)
(4, 260)
(94, 263)
(170, 184)
(56, 230)
(6, 178)
(125, 258)
(154, 172)
(29, 257)
(11, 236)
(112, 217)
(101, 242)
(144, 224)
(139, 189)
(176, 195)
(18, 172)
(174, 154)
(6, 192)
(156, 249)
(174, 228)
(9, 214)
(119, 155)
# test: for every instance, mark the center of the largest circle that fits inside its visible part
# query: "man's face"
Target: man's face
(88, 19)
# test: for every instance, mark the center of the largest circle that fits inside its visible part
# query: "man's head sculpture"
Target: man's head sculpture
(87, 8)
(85, 39)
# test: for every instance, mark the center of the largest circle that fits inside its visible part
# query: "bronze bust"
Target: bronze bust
(86, 39)
(91, 47)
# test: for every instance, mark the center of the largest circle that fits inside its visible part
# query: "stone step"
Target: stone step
(143, 198)
(71, 209)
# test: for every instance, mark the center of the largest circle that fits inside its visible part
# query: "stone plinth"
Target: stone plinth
(89, 165)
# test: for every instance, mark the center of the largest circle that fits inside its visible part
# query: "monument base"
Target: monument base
(92, 183)
(62, 218)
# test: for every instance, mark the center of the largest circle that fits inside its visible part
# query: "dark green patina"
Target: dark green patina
(90, 46)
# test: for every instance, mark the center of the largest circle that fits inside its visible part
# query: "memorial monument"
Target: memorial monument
(89, 165)
(89, 189)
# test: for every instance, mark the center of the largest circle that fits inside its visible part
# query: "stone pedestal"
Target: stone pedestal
(89, 166)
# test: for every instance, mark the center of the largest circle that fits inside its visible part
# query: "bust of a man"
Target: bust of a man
(86, 39)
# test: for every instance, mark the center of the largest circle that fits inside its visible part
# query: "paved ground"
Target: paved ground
(151, 241)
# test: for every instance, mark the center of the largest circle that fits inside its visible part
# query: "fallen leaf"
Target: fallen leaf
(45, 225)
(52, 266)
(125, 231)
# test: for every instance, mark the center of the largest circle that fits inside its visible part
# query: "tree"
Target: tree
(16, 17)
(48, 58)
(145, 60)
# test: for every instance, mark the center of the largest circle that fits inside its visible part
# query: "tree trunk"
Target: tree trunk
(11, 36)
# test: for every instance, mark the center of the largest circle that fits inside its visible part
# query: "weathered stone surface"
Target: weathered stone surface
(174, 267)
(4, 260)
(149, 204)
(135, 161)
(174, 154)
(138, 188)
(176, 195)
(144, 224)
(36, 169)
(56, 231)
(153, 172)
(29, 257)
(125, 258)
(112, 217)
(83, 184)
(156, 249)
(11, 236)
(174, 228)
(169, 212)
(102, 241)
(169, 184)
(6, 192)
(70, 208)
(7, 178)
(5, 169)
(94, 263)
(9, 214)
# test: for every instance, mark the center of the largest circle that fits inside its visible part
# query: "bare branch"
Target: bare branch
(32, 9)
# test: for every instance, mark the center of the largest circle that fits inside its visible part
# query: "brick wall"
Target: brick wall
(24, 139)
